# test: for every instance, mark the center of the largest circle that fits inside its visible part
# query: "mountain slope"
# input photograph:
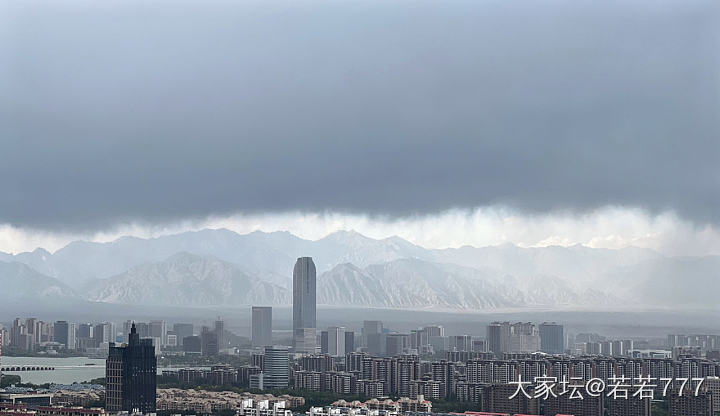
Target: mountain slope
(19, 281)
(575, 263)
(413, 283)
(187, 279)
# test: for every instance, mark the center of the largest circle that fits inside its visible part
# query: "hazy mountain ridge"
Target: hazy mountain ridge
(20, 281)
(408, 283)
(258, 252)
(80, 261)
(187, 279)
(356, 270)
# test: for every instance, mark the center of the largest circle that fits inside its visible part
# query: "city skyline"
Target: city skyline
(360, 208)
(419, 366)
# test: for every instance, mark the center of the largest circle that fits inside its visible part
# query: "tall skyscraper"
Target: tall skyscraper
(110, 331)
(209, 342)
(524, 337)
(396, 344)
(518, 337)
(71, 337)
(305, 340)
(131, 373)
(374, 337)
(261, 326)
(31, 326)
(371, 328)
(61, 333)
(336, 341)
(304, 305)
(84, 338)
(104, 333)
(349, 342)
(552, 340)
(99, 334)
(158, 331)
(220, 331)
(434, 330)
(461, 342)
(498, 336)
(84, 331)
(324, 340)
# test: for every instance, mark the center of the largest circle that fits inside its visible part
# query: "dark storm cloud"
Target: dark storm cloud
(118, 111)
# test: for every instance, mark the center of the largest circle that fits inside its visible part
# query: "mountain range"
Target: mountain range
(221, 267)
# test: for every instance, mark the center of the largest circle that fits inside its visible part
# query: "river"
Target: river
(77, 372)
(67, 370)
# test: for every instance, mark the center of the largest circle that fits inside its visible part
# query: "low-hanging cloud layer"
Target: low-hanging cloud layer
(123, 112)
(608, 227)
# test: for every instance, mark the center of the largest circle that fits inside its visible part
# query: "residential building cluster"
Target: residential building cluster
(74, 398)
(407, 375)
(402, 405)
(216, 375)
(206, 402)
(22, 409)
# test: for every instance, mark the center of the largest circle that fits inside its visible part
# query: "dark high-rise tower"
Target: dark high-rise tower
(552, 340)
(304, 305)
(130, 375)
(61, 333)
(349, 342)
(209, 340)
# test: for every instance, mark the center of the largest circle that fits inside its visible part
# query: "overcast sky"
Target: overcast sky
(447, 122)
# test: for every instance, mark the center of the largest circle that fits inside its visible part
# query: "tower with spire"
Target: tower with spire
(131, 375)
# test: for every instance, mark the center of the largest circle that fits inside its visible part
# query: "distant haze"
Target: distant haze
(220, 268)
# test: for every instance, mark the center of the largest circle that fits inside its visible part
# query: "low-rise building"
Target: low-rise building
(29, 398)
(203, 401)
(250, 407)
(22, 409)
(404, 404)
